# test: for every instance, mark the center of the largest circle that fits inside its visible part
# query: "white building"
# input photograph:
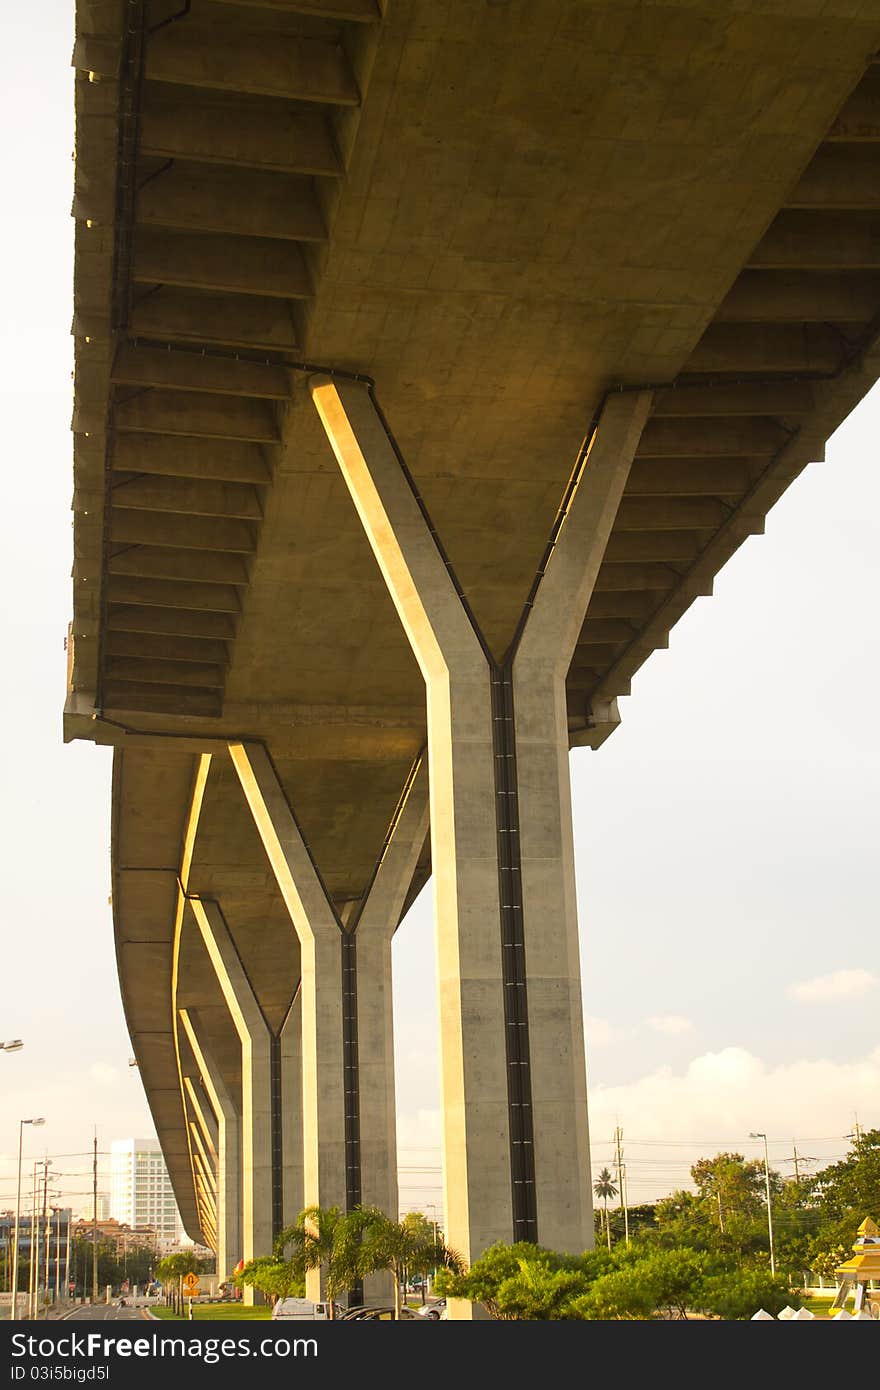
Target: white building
(140, 1188)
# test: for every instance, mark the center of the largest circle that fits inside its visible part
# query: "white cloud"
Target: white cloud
(104, 1075)
(840, 984)
(598, 1032)
(671, 1024)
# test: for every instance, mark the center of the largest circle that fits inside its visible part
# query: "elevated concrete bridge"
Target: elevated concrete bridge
(431, 358)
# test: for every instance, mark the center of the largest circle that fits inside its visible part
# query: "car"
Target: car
(302, 1308)
(380, 1313)
(434, 1311)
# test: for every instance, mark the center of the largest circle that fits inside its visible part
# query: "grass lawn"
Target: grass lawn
(819, 1306)
(216, 1312)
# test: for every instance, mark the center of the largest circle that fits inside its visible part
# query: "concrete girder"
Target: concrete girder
(516, 1161)
(767, 296)
(358, 11)
(200, 126)
(235, 202)
(175, 622)
(161, 562)
(769, 347)
(217, 460)
(155, 647)
(811, 240)
(687, 477)
(188, 496)
(164, 593)
(211, 533)
(192, 371)
(221, 264)
(267, 64)
(185, 413)
(839, 177)
(236, 320)
(704, 438)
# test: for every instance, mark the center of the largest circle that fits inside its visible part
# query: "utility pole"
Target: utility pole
(44, 1228)
(33, 1250)
(67, 1254)
(57, 1254)
(95, 1221)
(621, 1182)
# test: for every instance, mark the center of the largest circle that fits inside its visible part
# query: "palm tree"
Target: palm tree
(327, 1239)
(398, 1246)
(604, 1187)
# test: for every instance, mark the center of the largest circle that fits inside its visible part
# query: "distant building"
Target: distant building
(140, 1189)
(86, 1210)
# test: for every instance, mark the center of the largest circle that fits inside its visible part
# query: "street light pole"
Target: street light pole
(14, 1285)
(759, 1135)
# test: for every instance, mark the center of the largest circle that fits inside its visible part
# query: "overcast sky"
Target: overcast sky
(726, 834)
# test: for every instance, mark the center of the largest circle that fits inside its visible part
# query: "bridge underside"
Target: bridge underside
(649, 229)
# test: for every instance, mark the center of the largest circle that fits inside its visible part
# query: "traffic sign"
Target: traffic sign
(191, 1285)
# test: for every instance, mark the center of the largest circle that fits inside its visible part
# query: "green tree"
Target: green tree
(604, 1188)
(326, 1239)
(739, 1293)
(273, 1277)
(401, 1247)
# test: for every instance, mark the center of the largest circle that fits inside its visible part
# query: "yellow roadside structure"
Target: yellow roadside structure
(855, 1274)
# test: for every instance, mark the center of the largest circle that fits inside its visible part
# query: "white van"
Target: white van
(299, 1308)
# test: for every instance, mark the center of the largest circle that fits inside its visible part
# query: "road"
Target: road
(106, 1312)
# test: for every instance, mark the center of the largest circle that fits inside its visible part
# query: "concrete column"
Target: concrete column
(229, 1246)
(256, 1104)
(496, 1185)
(540, 666)
(292, 1194)
(344, 1001)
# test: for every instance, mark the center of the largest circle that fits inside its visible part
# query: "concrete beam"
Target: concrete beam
(184, 413)
(176, 123)
(859, 120)
(767, 296)
(220, 460)
(165, 648)
(728, 347)
(166, 593)
(175, 673)
(264, 64)
(670, 547)
(239, 202)
(839, 177)
(160, 562)
(123, 696)
(237, 320)
(187, 497)
(182, 532)
(191, 371)
(685, 477)
(669, 514)
(703, 438)
(809, 240)
(228, 264)
(738, 398)
(621, 578)
(169, 622)
(357, 11)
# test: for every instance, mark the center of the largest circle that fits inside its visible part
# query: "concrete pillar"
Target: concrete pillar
(292, 1194)
(344, 1000)
(512, 1063)
(256, 1091)
(228, 1149)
